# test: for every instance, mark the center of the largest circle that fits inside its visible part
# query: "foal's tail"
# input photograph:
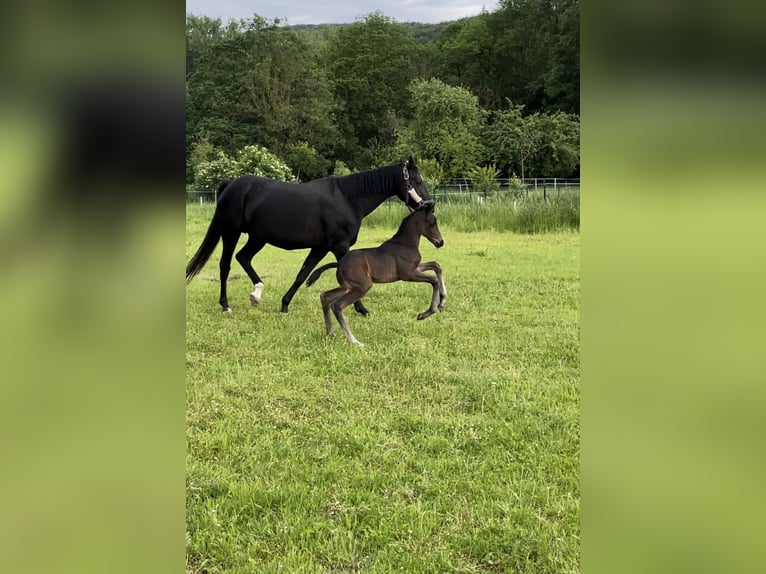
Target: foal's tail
(209, 243)
(318, 271)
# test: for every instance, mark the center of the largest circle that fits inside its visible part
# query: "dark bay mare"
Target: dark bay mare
(397, 259)
(323, 215)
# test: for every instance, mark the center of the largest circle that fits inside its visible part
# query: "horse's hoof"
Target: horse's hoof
(254, 300)
(226, 310)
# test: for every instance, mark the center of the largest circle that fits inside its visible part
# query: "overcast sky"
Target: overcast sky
(340, 11)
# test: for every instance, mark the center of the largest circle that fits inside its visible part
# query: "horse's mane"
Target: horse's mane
(369, 183)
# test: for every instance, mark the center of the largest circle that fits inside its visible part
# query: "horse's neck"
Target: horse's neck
(407, 236)
(370, 203)
(383, 190)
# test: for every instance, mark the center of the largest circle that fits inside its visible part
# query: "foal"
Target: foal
(397, 259)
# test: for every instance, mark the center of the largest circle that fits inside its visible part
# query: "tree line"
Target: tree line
(499, 90)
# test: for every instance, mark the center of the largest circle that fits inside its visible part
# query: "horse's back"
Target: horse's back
(289, 215)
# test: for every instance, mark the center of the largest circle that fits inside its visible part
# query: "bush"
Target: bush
(484, 179)
(208, 174)
(257, 160)
(340, 169)
(251, 160)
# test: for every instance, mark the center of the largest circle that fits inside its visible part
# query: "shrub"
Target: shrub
(340, 169)
(257, 160)
(208, 174)
(484, 179)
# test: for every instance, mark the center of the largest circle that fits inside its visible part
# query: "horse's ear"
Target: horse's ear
(427, 205)
(411, 161)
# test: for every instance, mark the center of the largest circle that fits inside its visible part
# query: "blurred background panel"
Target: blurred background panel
(673, 144)
(92, 337)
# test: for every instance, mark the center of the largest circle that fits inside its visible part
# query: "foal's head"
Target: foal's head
(426, 221)
(414, 191)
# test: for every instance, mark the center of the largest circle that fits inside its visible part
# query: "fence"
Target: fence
(463, 188)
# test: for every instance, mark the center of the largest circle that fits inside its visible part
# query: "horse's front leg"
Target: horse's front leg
(314, 257)
(418, 276)
(436, 268)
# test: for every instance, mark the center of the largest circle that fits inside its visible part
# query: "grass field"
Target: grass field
(444, 445)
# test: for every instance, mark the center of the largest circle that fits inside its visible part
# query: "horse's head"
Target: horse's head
(428, 226)
(414, 191)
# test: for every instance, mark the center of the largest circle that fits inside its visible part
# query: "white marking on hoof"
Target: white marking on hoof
(357, 343)
(255, 296)
(227, 310)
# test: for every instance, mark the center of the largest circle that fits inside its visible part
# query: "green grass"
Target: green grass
(499, 212)
(444, 445)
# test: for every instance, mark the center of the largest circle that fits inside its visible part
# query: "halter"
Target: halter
(410, 189)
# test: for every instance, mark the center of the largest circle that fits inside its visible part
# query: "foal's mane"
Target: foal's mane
(405, 223)
(369, 183)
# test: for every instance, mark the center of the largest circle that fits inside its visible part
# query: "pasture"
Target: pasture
(444, 445)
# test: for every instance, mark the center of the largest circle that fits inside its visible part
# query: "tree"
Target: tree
(371, 65)
(306, 162)
(465, 48)
(432, 172)
(446, 126)
(539, 144)
(255, 82)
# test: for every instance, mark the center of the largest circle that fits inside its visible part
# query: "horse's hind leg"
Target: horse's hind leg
(358, 305)
(337, 307)
(229, 244)
(245, 258)
(327, 299)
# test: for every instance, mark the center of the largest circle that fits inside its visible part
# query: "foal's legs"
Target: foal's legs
(358, 305)
(416, 275)
(327, 297)
(435, 267)
(314, 257)
(229, 244)
(341, 302)
(338, 299)
(245, 258)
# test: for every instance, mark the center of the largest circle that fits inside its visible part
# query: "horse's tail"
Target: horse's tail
(318, 271)
(206, 248)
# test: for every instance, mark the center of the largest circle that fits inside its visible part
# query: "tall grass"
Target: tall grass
(497, 212)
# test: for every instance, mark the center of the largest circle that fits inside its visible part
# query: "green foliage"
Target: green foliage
(535, 145)
(431, 171)
(250, 160)
(446, 125)
(208, 174)
(484, 179)
(340, 169)
(254, 81)
(344, 90)
(306, 162)
(370, 64)
(257, 160)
